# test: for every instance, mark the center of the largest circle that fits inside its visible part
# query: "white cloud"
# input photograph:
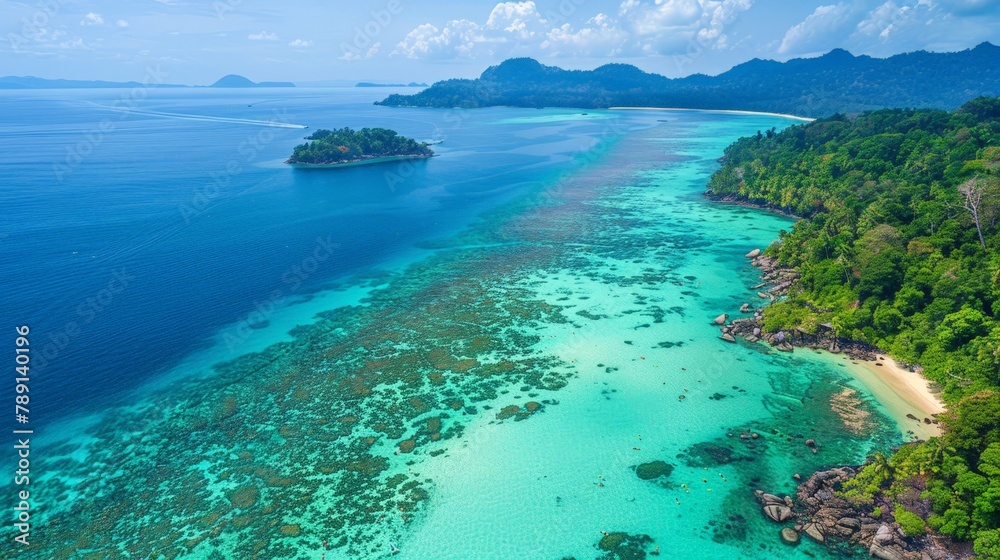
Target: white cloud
(886, 27)
(121, 23)
(663, 27)
(889, 20)
(300, 43)
(458, 39)
(92, 18)
(263, 36)
(600, 36)
(819, 30)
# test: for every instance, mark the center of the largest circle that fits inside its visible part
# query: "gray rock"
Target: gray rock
(886, 552)
(756, 331)
(721, 319)
(753, 254)
(814, 532)
(851, 523)
(883, 535)
(789, 536)
(777, 513)
(728, 337)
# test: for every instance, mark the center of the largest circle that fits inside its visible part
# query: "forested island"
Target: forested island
(899, 247)
(814, 87)
(346, 146)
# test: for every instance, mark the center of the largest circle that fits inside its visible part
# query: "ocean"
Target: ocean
(471, 356)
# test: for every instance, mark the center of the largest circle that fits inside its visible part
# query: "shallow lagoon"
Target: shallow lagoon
(488, 389)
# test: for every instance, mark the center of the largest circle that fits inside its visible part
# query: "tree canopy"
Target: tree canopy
(892, 252)
(346, 145)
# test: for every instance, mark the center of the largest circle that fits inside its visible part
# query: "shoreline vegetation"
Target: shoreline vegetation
(894, 249)
(346, 148)
(910, 398)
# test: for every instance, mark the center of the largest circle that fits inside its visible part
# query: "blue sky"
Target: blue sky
(196, 42)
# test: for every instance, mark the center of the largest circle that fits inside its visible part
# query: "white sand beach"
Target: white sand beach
(901, 391)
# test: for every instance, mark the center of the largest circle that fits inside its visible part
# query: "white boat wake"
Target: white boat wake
(209, 118)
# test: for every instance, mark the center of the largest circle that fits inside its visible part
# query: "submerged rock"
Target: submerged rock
(789, 536)
(653, 469)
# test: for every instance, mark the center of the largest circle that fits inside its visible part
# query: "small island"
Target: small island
(345, 146)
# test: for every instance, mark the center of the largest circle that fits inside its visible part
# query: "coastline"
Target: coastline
(355, 163)
(721, 111)
(906, 394)
(903, 391)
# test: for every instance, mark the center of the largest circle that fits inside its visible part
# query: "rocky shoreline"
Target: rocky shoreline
(775, 282)
(818, 513)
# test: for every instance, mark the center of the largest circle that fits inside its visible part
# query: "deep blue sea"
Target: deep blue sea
(202, 220)
(467, 356)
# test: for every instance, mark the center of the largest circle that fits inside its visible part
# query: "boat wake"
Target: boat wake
(208, 118)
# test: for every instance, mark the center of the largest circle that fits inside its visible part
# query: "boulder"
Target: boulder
(762, 295)
(753, 254)
(721, 319)
(728, 337)
(777, 513)
(769, 499)
(886, 552)
(852, 523)
(745, 308)
(814, 532)
(789, 536)
(883, 535)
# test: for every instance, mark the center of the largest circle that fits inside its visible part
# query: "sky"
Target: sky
(197, 41)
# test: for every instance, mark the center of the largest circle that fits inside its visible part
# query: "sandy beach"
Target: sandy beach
(720, 111)
(901, 391)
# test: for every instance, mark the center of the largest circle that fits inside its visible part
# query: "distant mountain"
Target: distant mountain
(370, 84)
(31, 82)
(836, 82)
(237, 81)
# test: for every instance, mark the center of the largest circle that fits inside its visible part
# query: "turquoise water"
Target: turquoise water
(485, 389)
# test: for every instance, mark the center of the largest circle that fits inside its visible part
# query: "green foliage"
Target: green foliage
(780, 316)
(836, 82)
(911, 523)
(869, 482)
(987, 544)
(346, 145)
(876, 512)
(890, 254)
